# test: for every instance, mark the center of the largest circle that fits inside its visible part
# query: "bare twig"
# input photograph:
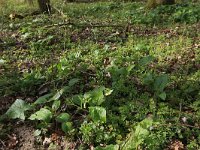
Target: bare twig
(2, 143)
(60, 12)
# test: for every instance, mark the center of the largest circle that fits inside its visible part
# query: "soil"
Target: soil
(25, 137)
(20, 138)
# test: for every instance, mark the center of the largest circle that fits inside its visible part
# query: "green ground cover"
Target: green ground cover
(107, 75)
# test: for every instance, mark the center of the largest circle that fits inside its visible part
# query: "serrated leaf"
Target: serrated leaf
(43, 114)
(66, 126)
(73, 81)
(97, 114)
(17, 109)
(63, 117)
(43, 99)
(56, 105)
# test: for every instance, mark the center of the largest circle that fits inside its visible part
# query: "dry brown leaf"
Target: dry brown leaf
(176, 145)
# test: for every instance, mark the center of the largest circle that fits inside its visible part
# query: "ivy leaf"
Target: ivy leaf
(97, 114)
(43, 114)
(17, 109)
(43, 99)
(63, 117)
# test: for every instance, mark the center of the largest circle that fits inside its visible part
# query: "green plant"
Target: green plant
(95, 133)
(83, 78)
(138, 136)
(158, 83)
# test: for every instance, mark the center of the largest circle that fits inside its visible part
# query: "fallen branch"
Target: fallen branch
(84, 25)
(178, 124)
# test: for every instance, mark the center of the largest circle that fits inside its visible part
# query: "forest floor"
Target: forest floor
(104, 75)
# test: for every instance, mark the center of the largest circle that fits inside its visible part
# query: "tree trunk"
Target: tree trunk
(169, 2)
(30, 2)
(154, 3)
(44, 6)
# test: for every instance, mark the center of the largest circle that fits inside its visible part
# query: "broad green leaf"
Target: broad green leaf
(162, 95)
(148, 79)
(73, 82)
(56, 105)
(122, 71)
(59, 93)
(43, 99)
(138, 136)
(77, 99)
(66, 126)
(63, 117)
(141, 47)
(97, 114)
(146, 60)
(146, 123)
(17, 109)
(43, 114)
(108, 147)
(160, 83)
(138, 47)
(141, 132)
(37, 132)
(95, 97)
